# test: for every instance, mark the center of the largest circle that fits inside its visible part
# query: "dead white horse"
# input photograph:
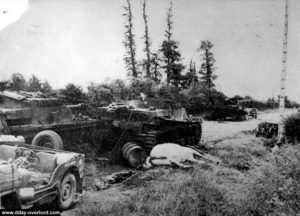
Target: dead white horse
(174, 154)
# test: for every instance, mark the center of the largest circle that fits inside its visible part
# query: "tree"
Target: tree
(129, 43)
(191, 77)
(72, 94)
(34, 84)
(18, 83)
(119, 89)
(46, 87)
(146, 63)
(155, 66)
(99, 94)
(207, 67)
(5, 84)
(171, 55)
(172, 58)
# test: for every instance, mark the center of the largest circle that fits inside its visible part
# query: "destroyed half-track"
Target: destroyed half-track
(147, 123)
(42, 119)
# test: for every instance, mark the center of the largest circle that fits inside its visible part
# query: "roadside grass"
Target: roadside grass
(276, 190)
(250, 181)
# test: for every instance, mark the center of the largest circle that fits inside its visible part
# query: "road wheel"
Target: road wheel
(242, 118)
(49, 139)
(67, 191)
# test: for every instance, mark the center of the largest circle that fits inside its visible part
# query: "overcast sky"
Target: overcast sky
(81, 40)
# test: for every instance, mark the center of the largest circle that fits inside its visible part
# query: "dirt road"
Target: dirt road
(216, 131)
(213, 132)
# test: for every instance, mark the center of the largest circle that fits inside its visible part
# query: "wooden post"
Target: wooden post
(283, 75)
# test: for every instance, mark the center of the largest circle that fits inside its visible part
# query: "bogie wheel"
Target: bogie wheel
(67, 192)
(242, 118)
(49, 139)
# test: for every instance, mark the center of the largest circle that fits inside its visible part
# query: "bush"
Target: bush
(292, 127)
(202, 99)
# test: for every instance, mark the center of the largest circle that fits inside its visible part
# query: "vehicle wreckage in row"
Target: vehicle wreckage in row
(233, 109)
(32, 175)
(118, 128)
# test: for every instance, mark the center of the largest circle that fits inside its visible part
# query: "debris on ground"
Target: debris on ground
(119, 177)
(267, 130)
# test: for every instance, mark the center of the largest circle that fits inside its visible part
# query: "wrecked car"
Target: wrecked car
(32, 175)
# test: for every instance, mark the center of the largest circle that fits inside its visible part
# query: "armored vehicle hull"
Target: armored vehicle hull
(232, 110)
(147, 124)
(27, 114)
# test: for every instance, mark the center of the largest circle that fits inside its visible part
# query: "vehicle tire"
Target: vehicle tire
(67, 193)
(48, 138)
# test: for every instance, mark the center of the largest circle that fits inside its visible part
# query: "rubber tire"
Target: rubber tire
(48, 136)
(69, 180)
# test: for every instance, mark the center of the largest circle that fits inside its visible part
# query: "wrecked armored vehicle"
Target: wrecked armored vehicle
(147, 123)
(42, 119)
(33, 175)
(232, 110)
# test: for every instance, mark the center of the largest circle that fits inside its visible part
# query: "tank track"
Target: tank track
(183, 135)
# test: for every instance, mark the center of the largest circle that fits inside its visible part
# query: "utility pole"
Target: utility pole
(283, 74)
(194, 86)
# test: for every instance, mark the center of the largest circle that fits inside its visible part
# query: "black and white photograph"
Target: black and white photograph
(150, 107)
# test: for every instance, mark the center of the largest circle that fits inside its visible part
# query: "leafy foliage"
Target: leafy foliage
(72, 94)
(18, 82)
(292, 127)
(172, 65)
(99, 94)
(191, 77)
(34, 84)
(155, 67)
(46, 87)
(4, 85)
(201, 98)
(146, 86)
